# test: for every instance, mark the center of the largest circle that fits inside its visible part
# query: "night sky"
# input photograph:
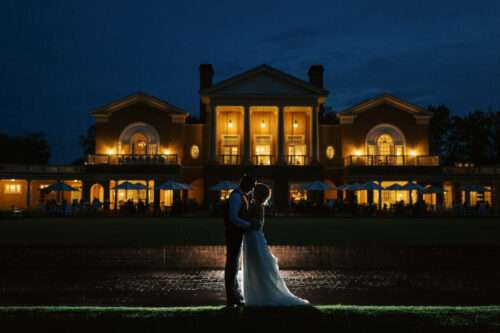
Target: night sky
(61, 59)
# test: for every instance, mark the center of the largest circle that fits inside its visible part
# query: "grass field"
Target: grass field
(280, 231)
(331, 318)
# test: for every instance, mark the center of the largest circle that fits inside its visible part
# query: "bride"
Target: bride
(262, 283)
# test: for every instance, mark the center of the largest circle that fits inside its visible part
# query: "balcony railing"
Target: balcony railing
(229, 159)
(126, 159)
(262, 159)
(391, 160)
(297, 159)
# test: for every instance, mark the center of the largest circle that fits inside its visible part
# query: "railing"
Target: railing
(262, 159)
(391, 160)
(126, 159)
(229, 159)
(40, 168)
(297, 159)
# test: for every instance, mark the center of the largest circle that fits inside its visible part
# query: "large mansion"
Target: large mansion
(265, 122)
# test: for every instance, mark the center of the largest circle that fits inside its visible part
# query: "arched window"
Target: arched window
(385, 139)
(139, 139)
(385, 145)
(139, 144)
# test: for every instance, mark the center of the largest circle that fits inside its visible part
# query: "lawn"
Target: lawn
(331, 318)
(150, 231)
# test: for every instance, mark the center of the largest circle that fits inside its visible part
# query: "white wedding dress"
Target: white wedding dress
(261, 280)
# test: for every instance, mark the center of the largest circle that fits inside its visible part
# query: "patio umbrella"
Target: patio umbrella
(411, 186)
(354, 187)
(433, 189)
(126, 185)
(395, 187)
(130, 186)
(342, 187)
(224, 185)
(317, 186)
(371, 186)
(59, 187)
(173, 185)
(474, 188)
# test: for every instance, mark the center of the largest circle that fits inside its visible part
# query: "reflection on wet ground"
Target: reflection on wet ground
(202, 287)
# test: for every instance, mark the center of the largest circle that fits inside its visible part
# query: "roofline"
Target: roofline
(242, 75)
(138, 96)
(353, 110)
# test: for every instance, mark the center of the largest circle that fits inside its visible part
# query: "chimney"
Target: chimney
(316, 75)
(206, 77)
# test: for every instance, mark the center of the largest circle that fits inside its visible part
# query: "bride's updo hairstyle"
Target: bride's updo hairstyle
(261, 193)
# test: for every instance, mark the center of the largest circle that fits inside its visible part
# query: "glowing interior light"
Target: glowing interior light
(111, 151)
(413, 153)
(357, 152)
(166, 151)
(230, 123)
(295, 124)
(263, 124)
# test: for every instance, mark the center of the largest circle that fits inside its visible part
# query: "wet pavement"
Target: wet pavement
(206, 287)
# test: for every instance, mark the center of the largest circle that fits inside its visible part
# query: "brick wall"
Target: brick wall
(289, 257)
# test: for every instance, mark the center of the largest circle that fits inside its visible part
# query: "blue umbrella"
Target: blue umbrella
(354, 187)
(130, 186)
(433, 189)
(371, 186)
(58, 187)
(317, 186)
(173, 185)
(395, 187)
(475, 188)
(413, 187)
(224, 185)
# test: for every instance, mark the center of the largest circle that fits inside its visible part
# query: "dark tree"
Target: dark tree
(439, 132)
(87, 143)
(473, 138)
(328, 116)
(29, 149)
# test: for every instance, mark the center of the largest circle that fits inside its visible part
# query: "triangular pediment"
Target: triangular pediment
(386, 99)
(125, 102)
(263, 81)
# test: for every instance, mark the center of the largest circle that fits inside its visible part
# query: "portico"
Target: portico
(263, 117)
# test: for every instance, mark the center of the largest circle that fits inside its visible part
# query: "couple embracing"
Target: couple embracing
(244, 221)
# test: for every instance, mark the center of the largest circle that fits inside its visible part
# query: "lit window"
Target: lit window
(12, 188)
(385, 145)
(195, 151)
(224, 194)
(330, 152)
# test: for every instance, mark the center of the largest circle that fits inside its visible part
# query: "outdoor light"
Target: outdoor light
(295, 124)
(230, 123)
(263, 124)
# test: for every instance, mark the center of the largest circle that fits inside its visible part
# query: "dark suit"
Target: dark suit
(234, 239)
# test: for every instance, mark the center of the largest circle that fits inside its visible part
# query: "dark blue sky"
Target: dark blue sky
(60, 59)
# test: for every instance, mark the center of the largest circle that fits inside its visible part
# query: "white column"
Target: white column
(28, 193)
(281, 134)
(213, 132)
(315, 134)
(246, 134)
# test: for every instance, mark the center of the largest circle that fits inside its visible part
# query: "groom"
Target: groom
(235, 225)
